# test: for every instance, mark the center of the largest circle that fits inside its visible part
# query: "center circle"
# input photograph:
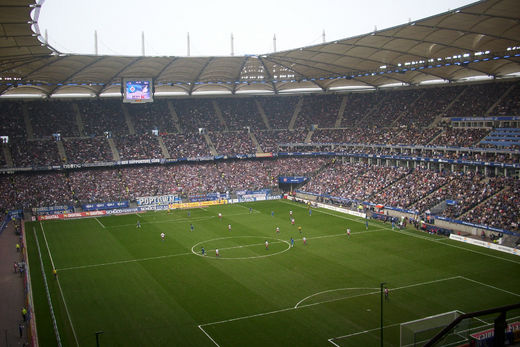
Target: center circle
(240, 246)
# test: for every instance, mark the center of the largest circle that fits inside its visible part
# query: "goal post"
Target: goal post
(420, 331)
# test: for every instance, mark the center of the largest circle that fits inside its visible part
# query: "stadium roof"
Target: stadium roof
(478, 40)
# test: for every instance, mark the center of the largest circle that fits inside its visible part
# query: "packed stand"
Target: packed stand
(509, 106)
(353, 181)
(197, 113)
(319, 109)
(376, 136)
(241, 113)
(35, 153)
(11, 120)
(151, 116)
(87, 150)
(432, 102)
(499, 211)
(51, 117)
(411, 188)
(38, 190)
(96, 185)
(358, 106)
(394, 105)
(232, 143)
(269, 140)
(459, 137)
(103, 116)
(138, 147)
(477, 99)
(188, 145)
(279, 110)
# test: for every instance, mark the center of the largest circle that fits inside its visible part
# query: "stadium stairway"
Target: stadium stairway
(483, 202)
(435, 137)
(373, 109)
(210, 144)
(164, 150)
(61, 151)
(7, 155)
(309, 136)
(262, 113)
(79, 121)
(27, 121)
(115, 152)
(390, 184)
(128, 120)
(502, 97)
(401, 114)
(438, 208)
(218, 112)
(296, 112)
(341, 111)
(255, 142)
(174, 116)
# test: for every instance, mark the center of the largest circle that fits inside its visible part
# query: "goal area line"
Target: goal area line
(485, 324)
(293, 308)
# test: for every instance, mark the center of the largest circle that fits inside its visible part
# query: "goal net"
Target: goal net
(420, 331)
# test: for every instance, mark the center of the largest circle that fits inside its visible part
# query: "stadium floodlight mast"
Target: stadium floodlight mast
(381, 328)
(97, 337)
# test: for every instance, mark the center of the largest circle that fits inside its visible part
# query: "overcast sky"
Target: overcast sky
(71, 23)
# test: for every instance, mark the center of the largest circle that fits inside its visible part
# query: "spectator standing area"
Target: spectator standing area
(11, 291)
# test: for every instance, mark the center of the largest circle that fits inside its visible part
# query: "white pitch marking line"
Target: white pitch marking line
(329, 291)
(490, 286)
(102, 225)
(454, 246)
(164, 222)
(205, 333)
(180, 254)
(332, 214)
(437, 240)
(360, 332)
(330, 340)
(59, 286)
(123, 261)
(322, 302)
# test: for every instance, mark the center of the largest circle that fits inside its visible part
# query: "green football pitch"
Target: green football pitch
(136, 289)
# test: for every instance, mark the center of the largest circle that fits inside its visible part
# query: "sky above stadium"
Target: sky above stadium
(70, 24)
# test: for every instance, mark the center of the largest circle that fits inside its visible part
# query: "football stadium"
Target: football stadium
(359, 192)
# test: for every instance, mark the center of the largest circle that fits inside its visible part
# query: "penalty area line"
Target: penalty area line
(326, 301)
(209, 337)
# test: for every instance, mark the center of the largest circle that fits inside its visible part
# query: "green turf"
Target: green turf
(141, 291)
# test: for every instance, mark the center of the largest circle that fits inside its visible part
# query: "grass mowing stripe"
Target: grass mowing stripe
(190, 253)
(123, 261)
(59, 287)
(326, 301)
(437, 240)
(198, 219)
(49, 299)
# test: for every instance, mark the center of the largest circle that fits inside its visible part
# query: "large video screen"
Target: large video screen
(137, 90)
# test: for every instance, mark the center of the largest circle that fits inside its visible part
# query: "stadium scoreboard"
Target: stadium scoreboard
(137, 90)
